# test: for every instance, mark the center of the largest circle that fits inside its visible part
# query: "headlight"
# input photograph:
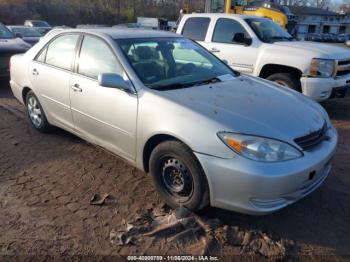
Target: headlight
(259, 148)
(322, 67)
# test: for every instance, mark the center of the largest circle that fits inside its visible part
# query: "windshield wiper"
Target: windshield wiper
(281, 38)
(212, 80)
(186, 85)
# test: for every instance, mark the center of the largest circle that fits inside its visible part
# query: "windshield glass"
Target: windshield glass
(166, 63)
(40, 24)
(25, 32)
(5, 33)
(267, 30)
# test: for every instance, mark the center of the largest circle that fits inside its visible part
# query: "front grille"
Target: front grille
(343, 67)
(313, 139)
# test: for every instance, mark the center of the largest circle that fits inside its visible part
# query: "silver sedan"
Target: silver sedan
(205, 133)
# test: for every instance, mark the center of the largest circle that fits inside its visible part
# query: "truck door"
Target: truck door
(241, 57)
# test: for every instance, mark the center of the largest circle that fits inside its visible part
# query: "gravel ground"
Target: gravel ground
(47, 181)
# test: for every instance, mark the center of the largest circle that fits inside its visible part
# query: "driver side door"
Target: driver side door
(105, 116)
(240, 57)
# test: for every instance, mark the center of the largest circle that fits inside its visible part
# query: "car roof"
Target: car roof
(124, 33)
(219, 15)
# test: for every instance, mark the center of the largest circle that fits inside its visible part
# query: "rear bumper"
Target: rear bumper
(257, 188)
(17, 91)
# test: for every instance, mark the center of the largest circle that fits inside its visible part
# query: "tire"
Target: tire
(286, 79)
(36, 115)
(189, 188)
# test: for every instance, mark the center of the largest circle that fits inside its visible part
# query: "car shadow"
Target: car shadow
(5, 89)
(338, 108)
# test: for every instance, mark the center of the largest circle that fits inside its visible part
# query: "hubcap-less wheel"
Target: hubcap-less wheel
(34, 111)
(177, 178)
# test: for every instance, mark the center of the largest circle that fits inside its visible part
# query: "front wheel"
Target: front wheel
(178, 176)
(287, 80)
(36, 113)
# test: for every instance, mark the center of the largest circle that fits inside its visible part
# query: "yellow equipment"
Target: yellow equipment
(263, 8)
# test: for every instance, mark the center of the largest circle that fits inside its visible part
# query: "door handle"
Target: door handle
(76, 88)
(35, 72)
(214, 50)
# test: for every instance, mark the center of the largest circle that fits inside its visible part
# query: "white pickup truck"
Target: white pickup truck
(259, 47)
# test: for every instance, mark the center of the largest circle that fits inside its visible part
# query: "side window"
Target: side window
(196, 28)
(42, 56)
(96, 57)
(60, 52)
(225, 30)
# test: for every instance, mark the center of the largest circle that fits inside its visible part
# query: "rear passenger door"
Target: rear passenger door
(104, 116)
(50, 73)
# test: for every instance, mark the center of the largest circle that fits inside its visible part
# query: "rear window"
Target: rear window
(196, 28)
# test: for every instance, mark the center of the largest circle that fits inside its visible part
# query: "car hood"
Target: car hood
(13, 45)
(325, 50)
(252, 106)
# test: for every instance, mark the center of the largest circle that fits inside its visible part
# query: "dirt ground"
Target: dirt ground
(47, 181)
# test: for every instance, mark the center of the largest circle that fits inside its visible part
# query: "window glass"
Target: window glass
(42, 56)
(196, 28)
(267, 30)
(96, 57)
(225, 30)
(60, 52)
(5, 33)
(26, 31)
(164, 62)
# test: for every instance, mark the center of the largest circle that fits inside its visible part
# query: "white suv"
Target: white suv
(259, 47)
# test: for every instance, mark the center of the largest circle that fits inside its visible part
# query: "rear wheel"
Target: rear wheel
(287, 80)
(178, 176)
(36, 113)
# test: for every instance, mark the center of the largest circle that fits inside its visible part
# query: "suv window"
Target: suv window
(60, 52)
(96, 57)
(196, 28)
(225, 30)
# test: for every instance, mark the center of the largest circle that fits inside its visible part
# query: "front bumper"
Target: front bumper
(321, 89)
(258, 188)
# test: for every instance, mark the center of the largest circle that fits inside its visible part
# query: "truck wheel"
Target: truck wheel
(286, 79)
(36, 114)
(178, 176)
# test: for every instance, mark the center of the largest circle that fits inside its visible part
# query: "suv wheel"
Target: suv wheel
(286, 79)
(36, 113)
(178, 176)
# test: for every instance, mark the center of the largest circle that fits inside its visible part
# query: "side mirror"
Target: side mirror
(19, 35)
(113, 81)
(241, 39)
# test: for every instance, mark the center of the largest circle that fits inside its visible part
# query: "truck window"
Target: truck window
(196, 28)
(225, 30)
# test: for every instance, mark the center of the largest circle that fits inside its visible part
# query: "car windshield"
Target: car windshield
(26, 32)
(40, 24)
(5, 33)
(268, 31)
(170, 63)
